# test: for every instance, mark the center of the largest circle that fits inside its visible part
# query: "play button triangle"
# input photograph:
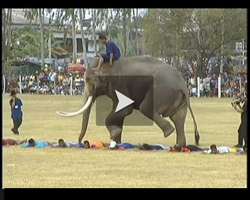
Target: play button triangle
(123, 101)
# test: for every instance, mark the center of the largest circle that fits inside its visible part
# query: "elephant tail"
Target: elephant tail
(196, 133)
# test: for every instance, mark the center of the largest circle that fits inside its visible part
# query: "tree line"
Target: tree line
(193, 34)
(172, 34)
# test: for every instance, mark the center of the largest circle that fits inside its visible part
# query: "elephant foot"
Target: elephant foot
(168, 132)
(181, 144)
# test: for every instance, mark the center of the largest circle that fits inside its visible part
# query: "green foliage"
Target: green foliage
(26, 42)
(120, 42)
(193, 34)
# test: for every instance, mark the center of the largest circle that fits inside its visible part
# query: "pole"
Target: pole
(37, 81)
(41, 17)
(71, 82)
(20, 84)
(4, 84)
(221, 60)
(198, 86)
(83, 40)
(219, 86)
(240, 84)
(243, 52)
(55, 86)
(49, 41)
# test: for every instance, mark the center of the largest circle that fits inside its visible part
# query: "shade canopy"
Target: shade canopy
(76, 67)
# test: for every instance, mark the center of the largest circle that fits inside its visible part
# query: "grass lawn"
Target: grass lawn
(217, 123)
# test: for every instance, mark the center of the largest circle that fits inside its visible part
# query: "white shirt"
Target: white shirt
(53, 76)
(220, 150)
(68, 144)
(192, 81)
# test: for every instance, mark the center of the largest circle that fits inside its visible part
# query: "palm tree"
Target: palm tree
(83, 40)
(94, 27)
(32, 14)
(135, 14)
(41, 19)
(65, 17)
(74, 34)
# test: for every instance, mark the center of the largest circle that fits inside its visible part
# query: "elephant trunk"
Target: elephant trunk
(85, 120)
(85, 116)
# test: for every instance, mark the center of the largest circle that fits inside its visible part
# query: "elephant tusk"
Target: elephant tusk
(72, 114)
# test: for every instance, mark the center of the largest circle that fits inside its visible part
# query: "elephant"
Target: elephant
(167, 93)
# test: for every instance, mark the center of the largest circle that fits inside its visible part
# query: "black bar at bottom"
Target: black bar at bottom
(1, 194)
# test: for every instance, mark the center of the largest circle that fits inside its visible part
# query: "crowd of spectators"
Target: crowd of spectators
(46, 82)
(231, 84)
(59, 82)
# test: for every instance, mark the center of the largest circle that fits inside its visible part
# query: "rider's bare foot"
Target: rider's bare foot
(96, 68)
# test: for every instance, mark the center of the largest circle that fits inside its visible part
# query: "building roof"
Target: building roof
(19, 19)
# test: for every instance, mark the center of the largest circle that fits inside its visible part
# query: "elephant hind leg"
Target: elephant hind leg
(179, 122)
(147, 109)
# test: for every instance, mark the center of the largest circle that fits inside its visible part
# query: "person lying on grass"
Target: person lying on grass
(12, 142)
(149, 147)
(62, 144)
(92, 145)
(36, 143)
(242, 151)
(220, 150)
(121, 146)
(188, 148)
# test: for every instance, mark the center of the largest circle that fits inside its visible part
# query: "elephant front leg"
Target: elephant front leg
(114, 123)
(115, 133)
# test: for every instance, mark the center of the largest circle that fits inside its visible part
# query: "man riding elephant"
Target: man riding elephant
(157, 89)
(112, 52)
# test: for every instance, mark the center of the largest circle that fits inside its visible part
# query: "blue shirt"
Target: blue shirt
(111, 47)
(125, 145)
(16, 112)
(38, 144)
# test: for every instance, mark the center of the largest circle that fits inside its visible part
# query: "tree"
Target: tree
(205, 30)
(192, 34)
(6, 37)
(33, 14)
(6, 33)
(26, 42)
(74, 34)
(135, 16)
(68, 18)
(94, 27)
(41, 19)
(83, 39)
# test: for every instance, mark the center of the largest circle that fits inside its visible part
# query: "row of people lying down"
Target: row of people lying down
(213, 149)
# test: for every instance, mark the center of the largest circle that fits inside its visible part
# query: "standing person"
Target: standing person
(242, 131)
(16, 112)
(212, 85)
(112, 52)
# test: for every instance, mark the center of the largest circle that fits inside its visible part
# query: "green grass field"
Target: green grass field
(217, 123)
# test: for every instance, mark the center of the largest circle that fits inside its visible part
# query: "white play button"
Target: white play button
(123, 101)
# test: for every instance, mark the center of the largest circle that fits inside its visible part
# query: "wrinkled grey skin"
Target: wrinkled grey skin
(170, 95)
